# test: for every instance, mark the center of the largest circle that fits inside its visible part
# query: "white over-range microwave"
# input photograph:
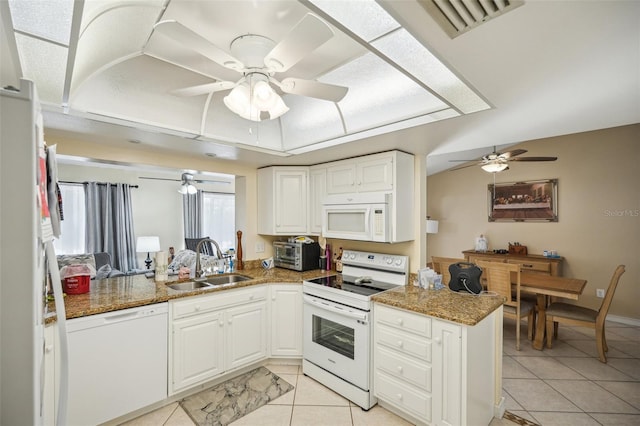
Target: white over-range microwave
(362, 216)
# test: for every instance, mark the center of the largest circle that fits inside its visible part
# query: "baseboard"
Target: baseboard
(499, 409)
(624, 320)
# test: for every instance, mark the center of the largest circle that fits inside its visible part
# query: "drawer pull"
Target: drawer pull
(220, 323)
(399, 396)
(438, 340)
(527, 265)
(197, 308)
(400, 343)
(400, 321)
(399, 369)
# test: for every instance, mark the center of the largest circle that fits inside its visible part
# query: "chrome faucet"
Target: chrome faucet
(199, 270)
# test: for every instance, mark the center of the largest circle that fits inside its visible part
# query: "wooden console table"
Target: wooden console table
(529, 263)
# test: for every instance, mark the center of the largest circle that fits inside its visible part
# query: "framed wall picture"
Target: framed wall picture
(523, 201)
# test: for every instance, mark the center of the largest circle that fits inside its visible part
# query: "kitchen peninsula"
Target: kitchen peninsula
(448, 325)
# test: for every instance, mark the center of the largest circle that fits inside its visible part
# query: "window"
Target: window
(72, 233)
(218, 218)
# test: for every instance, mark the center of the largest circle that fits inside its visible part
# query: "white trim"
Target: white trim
(624, 320)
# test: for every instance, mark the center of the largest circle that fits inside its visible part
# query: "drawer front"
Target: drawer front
(532, 266)
(404, 397)
(218, 300)
(402, 320)
(403, 368)
(403, 342)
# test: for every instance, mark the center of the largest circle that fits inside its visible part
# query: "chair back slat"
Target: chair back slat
(441, 266)
(499, 279)
(613, 284)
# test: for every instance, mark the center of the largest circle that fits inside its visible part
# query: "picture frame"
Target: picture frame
(530, 201)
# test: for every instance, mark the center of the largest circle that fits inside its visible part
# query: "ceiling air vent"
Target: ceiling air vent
(459, 16)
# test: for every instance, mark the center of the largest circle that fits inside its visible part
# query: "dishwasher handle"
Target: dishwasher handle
(110, 318)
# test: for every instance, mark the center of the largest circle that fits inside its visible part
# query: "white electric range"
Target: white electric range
(338, 319)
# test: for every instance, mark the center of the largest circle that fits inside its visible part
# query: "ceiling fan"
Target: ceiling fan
(258, 59)
(187, 182)
(498, 162)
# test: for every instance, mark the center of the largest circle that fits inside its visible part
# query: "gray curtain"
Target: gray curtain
(192, 214)
(110, 223)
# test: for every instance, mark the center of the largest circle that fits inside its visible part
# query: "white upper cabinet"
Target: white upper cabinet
(317, 192)
(362, 174)
(290, 197)
(282, 200)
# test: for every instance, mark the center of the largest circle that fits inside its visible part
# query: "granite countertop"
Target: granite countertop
(460, 308)
(114, 294)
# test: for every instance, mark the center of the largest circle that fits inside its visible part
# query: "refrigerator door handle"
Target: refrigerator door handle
(61, 315)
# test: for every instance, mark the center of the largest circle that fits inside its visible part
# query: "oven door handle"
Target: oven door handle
(327, 306)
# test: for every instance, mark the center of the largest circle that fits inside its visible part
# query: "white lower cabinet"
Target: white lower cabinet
(434, 371)
(286, 320)
(216, 333)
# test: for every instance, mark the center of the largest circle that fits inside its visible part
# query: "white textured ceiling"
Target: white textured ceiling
(546, 69)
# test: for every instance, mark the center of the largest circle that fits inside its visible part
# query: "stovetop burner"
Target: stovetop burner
(351, 284)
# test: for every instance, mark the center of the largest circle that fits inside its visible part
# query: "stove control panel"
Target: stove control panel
(363, 259)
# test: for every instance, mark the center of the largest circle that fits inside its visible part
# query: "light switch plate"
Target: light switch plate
(600, 293)
(260, 247)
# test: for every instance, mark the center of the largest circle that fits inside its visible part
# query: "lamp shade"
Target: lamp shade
(432, 226)
(147, 244)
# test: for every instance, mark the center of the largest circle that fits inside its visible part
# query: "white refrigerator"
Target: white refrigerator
(26, 255)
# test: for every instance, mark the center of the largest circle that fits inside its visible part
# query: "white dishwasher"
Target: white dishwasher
(117, 363)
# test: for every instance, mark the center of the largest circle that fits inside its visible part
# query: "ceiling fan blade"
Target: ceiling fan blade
(204, 89)
(534, 159)
(212, 181)
(511, 154)
(463, 166)
(194, 41)
(314, 89)
(308, 34)
(157, 178)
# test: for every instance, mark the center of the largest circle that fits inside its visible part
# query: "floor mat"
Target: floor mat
(518, 420)
(228, 401)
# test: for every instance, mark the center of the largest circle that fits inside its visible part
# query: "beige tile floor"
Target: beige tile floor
(565, 385)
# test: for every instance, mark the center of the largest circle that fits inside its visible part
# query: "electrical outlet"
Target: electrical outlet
(260, 247)
(600, 293)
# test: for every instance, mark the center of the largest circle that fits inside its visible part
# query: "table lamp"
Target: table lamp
(148, 244)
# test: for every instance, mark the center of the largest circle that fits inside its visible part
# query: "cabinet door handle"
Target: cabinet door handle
(48, 349)
(230, 321)
(197, 308)
(400, 343)
(220, 323)
(251, 296)
(399, 369)
(438, 340)
(399, 396)
(400, 321)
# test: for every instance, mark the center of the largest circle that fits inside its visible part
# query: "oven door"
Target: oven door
(337, 339)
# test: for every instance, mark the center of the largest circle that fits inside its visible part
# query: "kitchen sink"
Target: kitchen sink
(190, 285)
(226, 279)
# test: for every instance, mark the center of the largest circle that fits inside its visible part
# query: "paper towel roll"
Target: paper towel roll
(161, 266)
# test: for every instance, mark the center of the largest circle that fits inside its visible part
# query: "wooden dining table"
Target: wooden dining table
(546, 286)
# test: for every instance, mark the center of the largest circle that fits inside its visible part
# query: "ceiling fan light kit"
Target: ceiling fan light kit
(254, 96)
(494, 167)
(497, 162)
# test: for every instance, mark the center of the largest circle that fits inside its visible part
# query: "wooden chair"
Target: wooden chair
(499, 281)
(566, 313)
(441, 266)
